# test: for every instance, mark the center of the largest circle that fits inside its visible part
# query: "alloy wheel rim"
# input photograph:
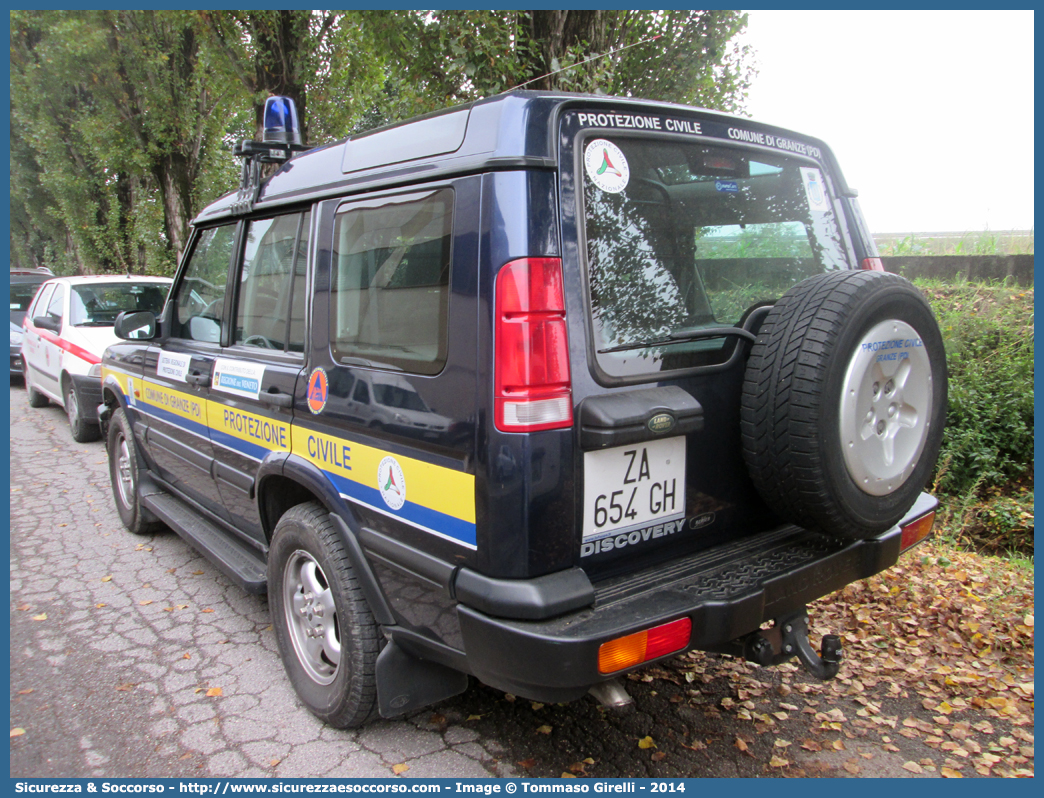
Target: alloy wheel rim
(886, 405)
(124, 474)
(311, 617)
(72, 407)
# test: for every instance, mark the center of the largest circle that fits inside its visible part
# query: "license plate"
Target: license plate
(629, 487)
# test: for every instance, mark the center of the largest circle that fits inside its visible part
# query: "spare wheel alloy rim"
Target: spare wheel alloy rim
(886, 406)
(311, 617)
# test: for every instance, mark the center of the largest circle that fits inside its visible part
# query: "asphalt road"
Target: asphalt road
(133, 656)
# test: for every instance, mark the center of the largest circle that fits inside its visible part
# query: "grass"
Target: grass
(987, 242)
(984, 476)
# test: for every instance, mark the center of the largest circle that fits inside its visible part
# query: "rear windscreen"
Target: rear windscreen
(683, 236)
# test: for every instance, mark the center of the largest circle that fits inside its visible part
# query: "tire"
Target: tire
(83, 431)
(36, 399)
(837, 436)
(327, 636)
(124, 468)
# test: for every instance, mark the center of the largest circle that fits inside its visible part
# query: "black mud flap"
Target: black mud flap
(405, 683)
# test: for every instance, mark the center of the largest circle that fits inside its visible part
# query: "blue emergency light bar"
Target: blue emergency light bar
(281, 121)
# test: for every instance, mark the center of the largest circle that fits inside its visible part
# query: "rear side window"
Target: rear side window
(682, 236)
(390, 284)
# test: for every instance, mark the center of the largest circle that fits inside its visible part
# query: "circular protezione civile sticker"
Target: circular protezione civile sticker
(606, 166)
(318, 387)
(392, 483)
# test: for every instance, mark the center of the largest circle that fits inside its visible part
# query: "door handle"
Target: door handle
(197, 378)
(277, 398)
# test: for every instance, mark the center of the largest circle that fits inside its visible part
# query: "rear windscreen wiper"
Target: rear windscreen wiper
(681, 336)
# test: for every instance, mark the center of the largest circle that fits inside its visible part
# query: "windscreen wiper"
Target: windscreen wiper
(683, 335)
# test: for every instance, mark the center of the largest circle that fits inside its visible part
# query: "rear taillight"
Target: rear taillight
(625, 652)
(531, 362)
(916, 531)
(872, 265)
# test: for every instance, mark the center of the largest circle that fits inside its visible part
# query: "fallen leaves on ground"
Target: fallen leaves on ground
(402, 767)
(949, 628)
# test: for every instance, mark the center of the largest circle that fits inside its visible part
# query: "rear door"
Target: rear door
(179, 367)
(47, 365)
(693, 226)
(32, 346)
(256, 376)
(392, 418)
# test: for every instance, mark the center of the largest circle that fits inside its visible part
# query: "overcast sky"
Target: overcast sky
(930, 113)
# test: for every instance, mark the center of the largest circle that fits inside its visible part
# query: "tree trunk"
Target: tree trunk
(282, 44)
(175, 186)
(554, 32)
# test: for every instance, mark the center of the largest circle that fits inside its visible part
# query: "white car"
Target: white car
(67, 329)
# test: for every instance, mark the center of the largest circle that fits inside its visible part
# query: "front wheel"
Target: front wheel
(123, 474)
(83, 430)
(327, 636)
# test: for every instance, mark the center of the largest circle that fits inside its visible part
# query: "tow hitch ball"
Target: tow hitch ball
(788, 638)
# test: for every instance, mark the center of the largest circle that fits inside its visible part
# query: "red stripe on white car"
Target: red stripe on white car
(68, 346)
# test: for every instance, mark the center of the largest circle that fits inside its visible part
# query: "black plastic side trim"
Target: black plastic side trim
(414, 562)
(176, 448)
(525, 599)
(233, 477)
(617, 419)
(420, 645)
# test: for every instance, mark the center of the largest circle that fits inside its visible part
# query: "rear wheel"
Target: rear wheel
(123, 474)
(83, 430)
(36, 399)
(844, 401)
(327, 636)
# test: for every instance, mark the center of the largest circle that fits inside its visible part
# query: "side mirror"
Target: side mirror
(137, 325)
(47, 323)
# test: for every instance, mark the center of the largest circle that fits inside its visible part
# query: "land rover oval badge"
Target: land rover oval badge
(661, 422)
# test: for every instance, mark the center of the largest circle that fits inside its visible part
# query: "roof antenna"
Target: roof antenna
(581, 63)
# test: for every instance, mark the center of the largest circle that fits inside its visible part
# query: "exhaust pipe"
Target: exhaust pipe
(611, 694)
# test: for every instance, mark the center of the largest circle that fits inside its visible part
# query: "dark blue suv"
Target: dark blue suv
(537, 389)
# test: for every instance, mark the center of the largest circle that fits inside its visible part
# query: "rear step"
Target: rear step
(239, 562)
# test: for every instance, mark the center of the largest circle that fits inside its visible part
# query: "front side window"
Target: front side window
(201, 293)
(686, 236)
(98, 304)
(390, 286)
(271, 284)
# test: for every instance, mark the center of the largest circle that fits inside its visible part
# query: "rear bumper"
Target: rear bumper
(727, 592)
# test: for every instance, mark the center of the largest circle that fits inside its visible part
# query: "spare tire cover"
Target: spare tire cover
(844, 402)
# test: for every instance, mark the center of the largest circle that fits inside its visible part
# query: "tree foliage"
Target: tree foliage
(122, 122)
